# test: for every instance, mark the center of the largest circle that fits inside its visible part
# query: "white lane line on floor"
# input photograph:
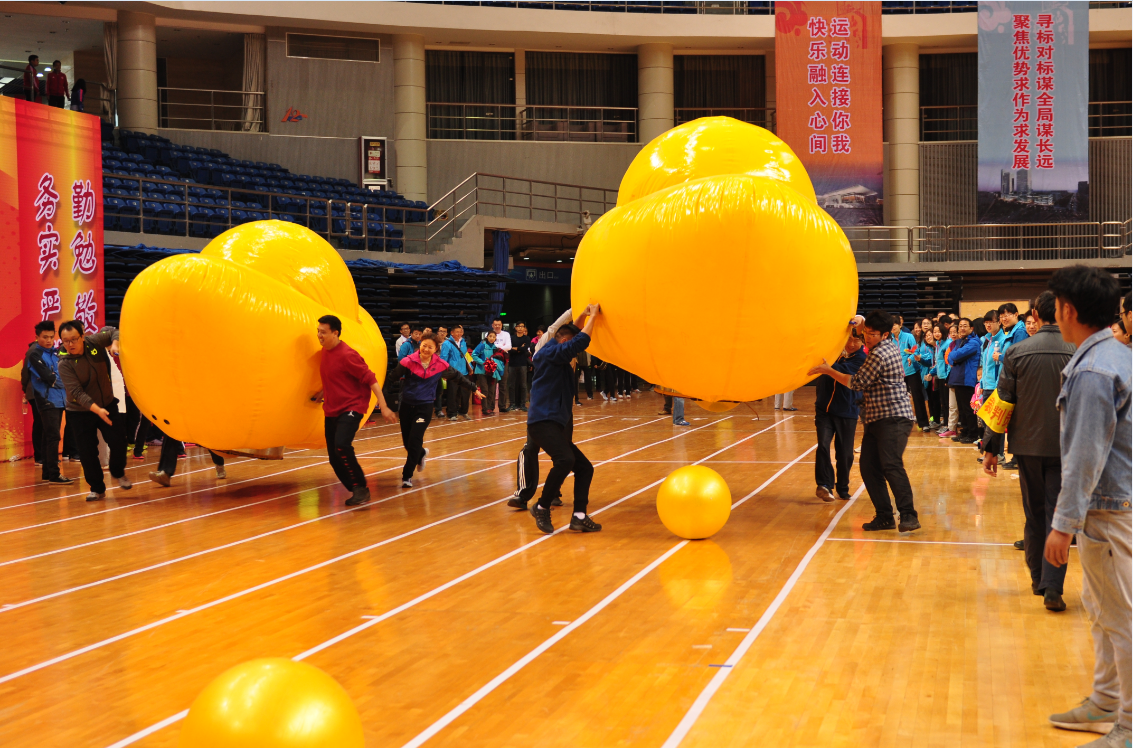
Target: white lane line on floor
(738, 631)
(916, 542)
(200, 490)
(271, 582)
(722, 673)
(468, 575)
(237, 483)
(123, 575)
(521, 663)
(491, 685)
(770, 480)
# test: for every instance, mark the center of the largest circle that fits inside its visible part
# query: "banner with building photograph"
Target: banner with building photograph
(828, 101)
(1034, 94)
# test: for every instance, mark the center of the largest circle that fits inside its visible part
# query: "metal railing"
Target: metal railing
(471, 121)
(513, 197)
(904, 7)
(764, 117)
(1106, 119)
(579, 124)
(576, 124)
(1087, 240)
(1110, 119)
(949, 123)
(210, 109)
(354, 225)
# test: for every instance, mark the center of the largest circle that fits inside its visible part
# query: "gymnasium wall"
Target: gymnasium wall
(321, 156)
(585, 164)
(337, 98)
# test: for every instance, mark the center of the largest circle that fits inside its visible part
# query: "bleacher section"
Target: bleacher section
(153, 185)
(392, 293)
(913, 296)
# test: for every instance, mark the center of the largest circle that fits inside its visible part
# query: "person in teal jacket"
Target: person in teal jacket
(907, 347)
(488, 383)
(941, 370)
(990, 344)
(454, 352)
(926, 358)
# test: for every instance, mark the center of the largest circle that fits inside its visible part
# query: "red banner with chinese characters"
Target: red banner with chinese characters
(50, 240)
(828, 101)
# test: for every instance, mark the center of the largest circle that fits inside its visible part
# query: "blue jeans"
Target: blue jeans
(678, 409)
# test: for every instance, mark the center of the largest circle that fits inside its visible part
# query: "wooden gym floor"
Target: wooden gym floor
(452, 622)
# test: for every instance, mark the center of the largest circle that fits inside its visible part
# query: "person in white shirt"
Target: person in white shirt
(404, 337)
(503, 342)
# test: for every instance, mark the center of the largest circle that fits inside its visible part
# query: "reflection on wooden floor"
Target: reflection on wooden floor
(114, 615)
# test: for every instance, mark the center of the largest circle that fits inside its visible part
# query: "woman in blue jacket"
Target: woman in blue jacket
(487, 368)
(926, 356)
(965, 360)
(941, 369)
(454, 351)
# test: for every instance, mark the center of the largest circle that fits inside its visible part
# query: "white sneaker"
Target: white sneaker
(220, 472)
(124, 483)
(407, 483)
(603, 394)
(421, 464)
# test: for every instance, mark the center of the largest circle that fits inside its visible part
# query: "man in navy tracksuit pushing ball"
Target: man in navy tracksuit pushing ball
(550, 422)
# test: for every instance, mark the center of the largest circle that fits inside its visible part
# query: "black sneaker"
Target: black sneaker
(59, 479)
(542, 519)
(1051, 599)
(880, 523)
(517, 503)
(584, 525)
(1010, 464)
(360, 497)
(909, 522)
(1018, 545)
(556, 501)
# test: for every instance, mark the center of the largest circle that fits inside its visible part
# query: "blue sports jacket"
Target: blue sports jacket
(905, 341)
(43, 363)
(834, 398)
(552, 387)
(991, 368)
(454, 354)
(965, 360)
(942, 368)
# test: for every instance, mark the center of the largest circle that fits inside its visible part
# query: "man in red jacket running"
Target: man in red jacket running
(347, 384)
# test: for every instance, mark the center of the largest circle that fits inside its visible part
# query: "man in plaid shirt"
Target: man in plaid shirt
(887, 417)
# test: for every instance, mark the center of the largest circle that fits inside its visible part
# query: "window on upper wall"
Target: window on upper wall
(584, 97)
(1110, 93)
(721, 85)
(470, 95)
(351, 48)
(949, 96)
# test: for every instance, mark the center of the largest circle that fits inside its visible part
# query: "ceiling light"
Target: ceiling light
(558, 260)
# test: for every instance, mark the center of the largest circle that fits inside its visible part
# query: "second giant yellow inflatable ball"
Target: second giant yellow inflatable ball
(272, 703)
(694, 502)
(716, 228)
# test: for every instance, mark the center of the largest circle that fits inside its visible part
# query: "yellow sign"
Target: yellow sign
(996, 413)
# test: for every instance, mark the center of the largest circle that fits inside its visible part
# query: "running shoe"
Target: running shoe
(407, 483)
(360, 497)
(584, 525)
(542, 519)
(421, 464)
(92, 496)
(1086, 717)
(159, 477)
(124, 483)
(61, 479)
(909, 522)
(221, 472)
(824, 493)
(880, 523)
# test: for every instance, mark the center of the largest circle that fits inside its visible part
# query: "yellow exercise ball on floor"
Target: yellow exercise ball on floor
(272, 703)
(694, 502)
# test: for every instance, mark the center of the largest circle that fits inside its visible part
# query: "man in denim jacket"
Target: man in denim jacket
(1094, 502)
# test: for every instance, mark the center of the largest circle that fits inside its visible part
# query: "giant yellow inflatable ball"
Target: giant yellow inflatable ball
(272, 703)
(708, 147)
(694, 502)
(219, 348)
(756, 280)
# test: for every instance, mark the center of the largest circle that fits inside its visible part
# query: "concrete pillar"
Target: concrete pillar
(901, 95)
(137, 72)
(769, 87)
(654, 90)
(409, 128)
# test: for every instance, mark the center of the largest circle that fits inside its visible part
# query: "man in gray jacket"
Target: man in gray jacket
(91, 405)
(1094, 502)
(1030, 379)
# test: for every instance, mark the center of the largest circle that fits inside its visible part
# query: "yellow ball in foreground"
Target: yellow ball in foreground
(272, 703)
(694, 502)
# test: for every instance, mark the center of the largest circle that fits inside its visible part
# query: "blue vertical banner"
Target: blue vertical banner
(1034, 94)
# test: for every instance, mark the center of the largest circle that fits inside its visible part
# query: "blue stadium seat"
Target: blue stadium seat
(110, 208)
(128, 215)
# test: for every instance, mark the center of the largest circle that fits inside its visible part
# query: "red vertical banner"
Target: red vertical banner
(51, 226)
(828, 102)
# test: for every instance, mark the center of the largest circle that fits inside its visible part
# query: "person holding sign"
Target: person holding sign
(1030, 378)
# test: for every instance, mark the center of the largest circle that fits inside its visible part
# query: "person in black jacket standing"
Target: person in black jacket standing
(1031, 379)
(836, 416)
(519, 359)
